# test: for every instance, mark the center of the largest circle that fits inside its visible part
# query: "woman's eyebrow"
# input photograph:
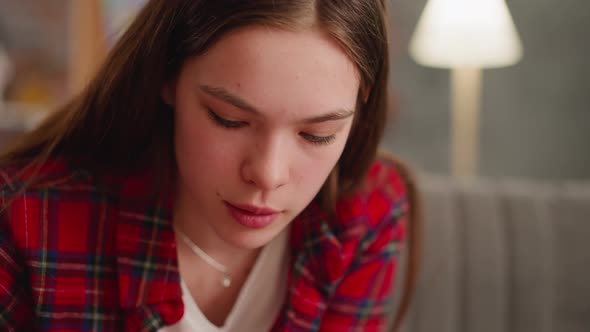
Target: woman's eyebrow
(230, 98)
(330, 116)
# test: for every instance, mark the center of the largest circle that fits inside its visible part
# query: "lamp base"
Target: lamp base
(465, 95)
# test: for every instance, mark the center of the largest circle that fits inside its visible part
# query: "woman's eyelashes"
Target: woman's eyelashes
(225, 122)
(318, 140)
(230, 124)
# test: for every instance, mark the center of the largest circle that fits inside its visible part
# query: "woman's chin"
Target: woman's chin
(250, 238)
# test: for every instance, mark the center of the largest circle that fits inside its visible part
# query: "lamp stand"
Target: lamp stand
(465, 95)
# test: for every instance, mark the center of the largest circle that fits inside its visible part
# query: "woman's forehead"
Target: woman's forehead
(275, 68)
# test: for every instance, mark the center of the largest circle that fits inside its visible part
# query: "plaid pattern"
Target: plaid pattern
(82, 254)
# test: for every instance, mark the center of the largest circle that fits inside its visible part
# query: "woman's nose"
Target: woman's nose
(267, 166)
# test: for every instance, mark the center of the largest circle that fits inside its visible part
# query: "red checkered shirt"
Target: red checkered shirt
(79, 253)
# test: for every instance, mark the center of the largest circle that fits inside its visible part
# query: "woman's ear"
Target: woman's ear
(367, 94)
(168, 93)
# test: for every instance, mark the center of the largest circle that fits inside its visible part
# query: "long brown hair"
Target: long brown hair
(119, 122)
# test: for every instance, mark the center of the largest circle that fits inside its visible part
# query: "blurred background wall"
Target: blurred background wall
(35, 36)
(535, 116)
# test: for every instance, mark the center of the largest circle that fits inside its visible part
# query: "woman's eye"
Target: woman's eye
(225, 122)
(318, 140)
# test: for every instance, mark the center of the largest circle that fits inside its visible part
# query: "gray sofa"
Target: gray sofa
(502, 256)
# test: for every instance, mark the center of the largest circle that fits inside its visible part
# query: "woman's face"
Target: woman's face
(261, 119)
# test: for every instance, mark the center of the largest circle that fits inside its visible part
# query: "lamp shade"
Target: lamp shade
(465, 33)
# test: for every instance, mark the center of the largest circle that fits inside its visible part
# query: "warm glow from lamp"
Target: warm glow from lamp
(466, 36)
(453, 33)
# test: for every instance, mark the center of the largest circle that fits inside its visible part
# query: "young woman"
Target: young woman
(218, 174)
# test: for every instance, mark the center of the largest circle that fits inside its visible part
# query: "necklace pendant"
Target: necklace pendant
(226, 281)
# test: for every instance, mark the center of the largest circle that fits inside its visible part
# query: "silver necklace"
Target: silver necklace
(226, 280)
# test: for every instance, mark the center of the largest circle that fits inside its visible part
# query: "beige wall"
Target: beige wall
(87, 44)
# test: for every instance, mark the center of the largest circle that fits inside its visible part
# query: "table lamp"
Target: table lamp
(465, 36)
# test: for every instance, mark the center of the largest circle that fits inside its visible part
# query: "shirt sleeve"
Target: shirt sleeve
(15, 304)
(361, 301)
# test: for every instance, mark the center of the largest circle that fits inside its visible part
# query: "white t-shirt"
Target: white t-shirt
(259, 301)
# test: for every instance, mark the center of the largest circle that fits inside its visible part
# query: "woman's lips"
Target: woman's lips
(252, 216)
